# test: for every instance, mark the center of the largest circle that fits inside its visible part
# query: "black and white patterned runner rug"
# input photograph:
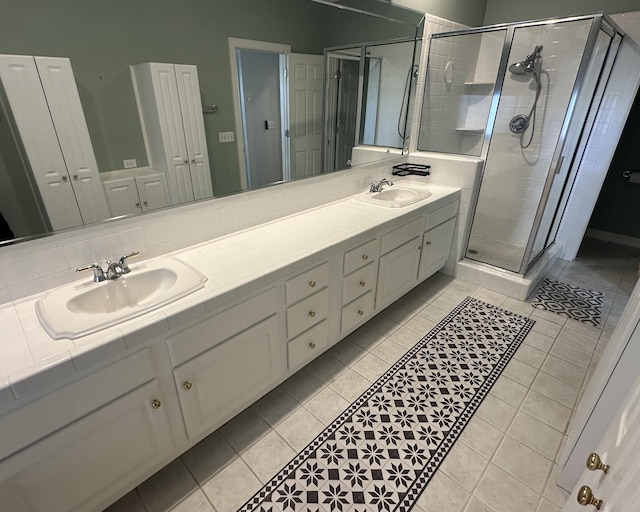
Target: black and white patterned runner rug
(380, 453)
(570, 301)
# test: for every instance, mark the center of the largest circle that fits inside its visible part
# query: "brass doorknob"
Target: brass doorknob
(312, 344)
(428, 242)
(594, 463)
(362, 283)
(365, 256)
(155, 403)
(187, 385)
(312, 314)
(360, 312)
(586, 497)
(312, 284)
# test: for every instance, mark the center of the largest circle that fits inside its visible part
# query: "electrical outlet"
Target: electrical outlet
(226, 137)
(129, 164)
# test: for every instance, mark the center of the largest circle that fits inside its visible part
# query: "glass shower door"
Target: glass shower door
(537, 91)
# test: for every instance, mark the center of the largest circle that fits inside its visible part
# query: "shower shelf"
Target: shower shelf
(470, 129)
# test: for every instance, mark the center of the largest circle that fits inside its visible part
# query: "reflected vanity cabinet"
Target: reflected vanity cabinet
(48, 122)
(135, 193)
(170, 108)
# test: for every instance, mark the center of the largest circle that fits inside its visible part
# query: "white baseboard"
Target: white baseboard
(629, 241)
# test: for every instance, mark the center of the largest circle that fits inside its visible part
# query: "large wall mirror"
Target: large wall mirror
(154, 104)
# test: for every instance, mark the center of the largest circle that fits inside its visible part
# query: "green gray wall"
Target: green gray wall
(103, 38)
(502, 11)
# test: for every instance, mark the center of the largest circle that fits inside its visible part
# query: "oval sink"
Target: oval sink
(396, 196)
(86, 307)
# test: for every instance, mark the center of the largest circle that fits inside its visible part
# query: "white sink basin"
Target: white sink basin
(85, 307)
(396, 196)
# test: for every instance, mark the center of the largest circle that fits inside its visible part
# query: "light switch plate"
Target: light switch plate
(130, 164)
(226, 137)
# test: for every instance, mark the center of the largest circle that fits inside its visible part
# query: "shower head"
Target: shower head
(529, 64)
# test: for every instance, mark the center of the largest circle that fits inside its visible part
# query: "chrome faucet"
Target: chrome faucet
(114, 269)
(377, 186)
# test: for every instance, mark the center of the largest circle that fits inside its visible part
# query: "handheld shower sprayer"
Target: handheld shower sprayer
(531, 65)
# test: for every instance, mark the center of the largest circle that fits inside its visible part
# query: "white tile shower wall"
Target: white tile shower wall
(37, 265)
(514, 177)
(619, 95)
(433, 25)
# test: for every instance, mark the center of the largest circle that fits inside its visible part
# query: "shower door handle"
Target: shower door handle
(559, 165)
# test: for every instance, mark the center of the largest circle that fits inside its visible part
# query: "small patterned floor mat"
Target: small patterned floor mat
(382, 451)
(570, 301)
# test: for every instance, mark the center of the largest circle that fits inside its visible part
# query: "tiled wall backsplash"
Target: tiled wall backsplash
(37, 265)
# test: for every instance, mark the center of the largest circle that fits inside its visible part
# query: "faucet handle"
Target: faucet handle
(98, 273)
(123, 261)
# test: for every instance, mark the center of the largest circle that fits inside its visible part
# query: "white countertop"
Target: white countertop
(234, 265)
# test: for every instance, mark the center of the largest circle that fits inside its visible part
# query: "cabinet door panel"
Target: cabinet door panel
(228, 377)
(398, 272)
(60, 89)
(436, 247)
(153, 191)
(193, 124)
(122, 196)
(79, 467)
(24, 97)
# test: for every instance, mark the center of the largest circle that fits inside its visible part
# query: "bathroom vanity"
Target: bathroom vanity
(80, 433)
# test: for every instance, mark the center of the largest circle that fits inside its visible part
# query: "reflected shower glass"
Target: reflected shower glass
(516, 171)
(461, 76)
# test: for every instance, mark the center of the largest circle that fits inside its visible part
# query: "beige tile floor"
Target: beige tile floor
(505, 458)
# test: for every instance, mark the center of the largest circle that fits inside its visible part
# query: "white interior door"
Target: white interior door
(24, 98)
(306, 82)
(620, 449)
(71, 128)
(193, 123)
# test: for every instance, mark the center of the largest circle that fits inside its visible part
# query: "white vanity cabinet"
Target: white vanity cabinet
(437, 240)
(47, 118)
(84, 442)
(227, 361)
(307, 310)
(170, 108)
(360, 269)
(127, 194)
(399, 259)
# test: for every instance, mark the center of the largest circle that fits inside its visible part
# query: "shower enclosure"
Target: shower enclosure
(523, 97)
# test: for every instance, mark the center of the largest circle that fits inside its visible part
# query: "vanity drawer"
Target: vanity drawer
(402, 235)
(206, 334)
(307, 313)
(441, 214)
(358, 283)
(357, 311)
(307, 283)
(360, 256)
(308, 345)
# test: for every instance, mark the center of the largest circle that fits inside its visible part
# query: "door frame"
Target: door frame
(283, 50)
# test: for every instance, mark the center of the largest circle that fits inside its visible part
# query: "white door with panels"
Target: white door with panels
(170, 108)
(610, 481)
(48, 121)
(306, 86)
